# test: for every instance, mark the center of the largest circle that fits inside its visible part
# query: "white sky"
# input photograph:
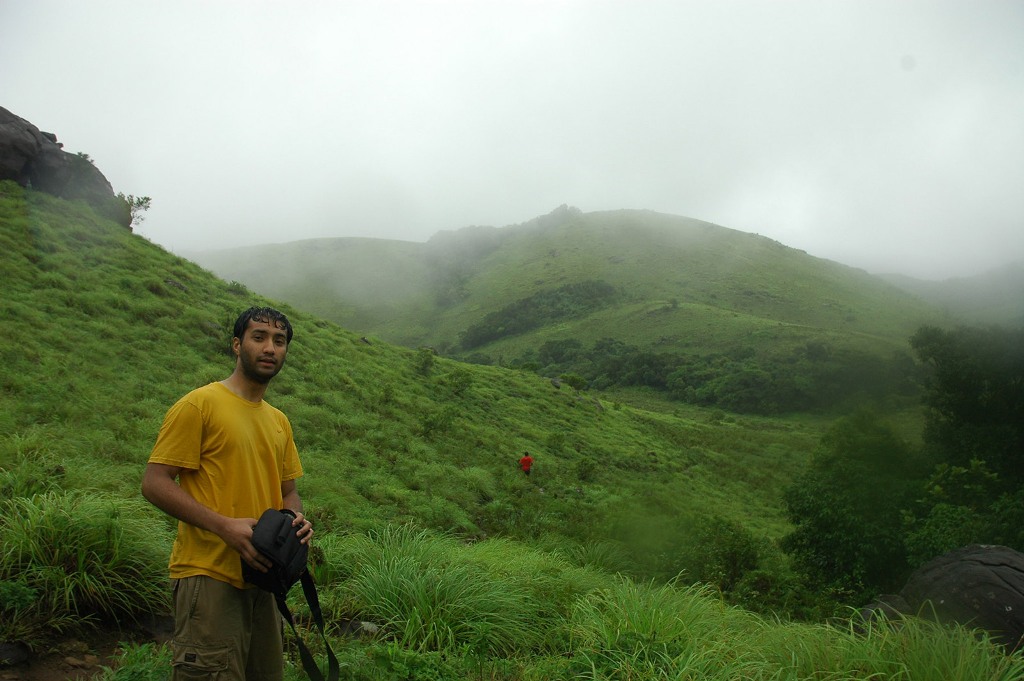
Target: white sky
(887, 135)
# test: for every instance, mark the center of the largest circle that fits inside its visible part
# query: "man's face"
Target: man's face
(262, 350)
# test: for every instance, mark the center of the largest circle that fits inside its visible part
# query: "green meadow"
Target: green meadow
(646, 544)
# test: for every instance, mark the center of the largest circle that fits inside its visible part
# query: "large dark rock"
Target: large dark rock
(20, 142)
(35, 159)
(980, 586)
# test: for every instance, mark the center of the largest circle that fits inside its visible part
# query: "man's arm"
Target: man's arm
(160, 488)
(293, 503)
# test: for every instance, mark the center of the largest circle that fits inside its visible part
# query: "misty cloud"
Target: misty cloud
(883, 135)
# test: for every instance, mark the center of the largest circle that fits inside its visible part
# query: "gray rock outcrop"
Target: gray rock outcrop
(36, 159)
(979, 586)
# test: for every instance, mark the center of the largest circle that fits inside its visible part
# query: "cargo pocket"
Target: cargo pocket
(192, 663)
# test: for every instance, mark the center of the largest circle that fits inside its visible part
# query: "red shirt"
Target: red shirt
(526, 462)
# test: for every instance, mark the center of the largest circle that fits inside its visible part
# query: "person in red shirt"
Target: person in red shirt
(526, 462)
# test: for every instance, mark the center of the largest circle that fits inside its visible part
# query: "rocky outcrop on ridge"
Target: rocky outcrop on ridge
(36, 160)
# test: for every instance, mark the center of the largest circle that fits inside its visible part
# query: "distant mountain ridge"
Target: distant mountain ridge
(431, 293)
(697, 312)
(994, 297)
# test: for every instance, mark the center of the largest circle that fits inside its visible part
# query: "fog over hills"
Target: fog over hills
(885, 135)
(432, 292)
(994, 297)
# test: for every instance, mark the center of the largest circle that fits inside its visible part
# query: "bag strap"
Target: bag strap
(308, 663)
(313, 600)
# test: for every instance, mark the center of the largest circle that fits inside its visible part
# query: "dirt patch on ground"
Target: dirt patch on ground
(85, 654)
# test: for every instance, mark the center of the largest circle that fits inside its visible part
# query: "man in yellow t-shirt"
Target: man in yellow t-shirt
(222, 457)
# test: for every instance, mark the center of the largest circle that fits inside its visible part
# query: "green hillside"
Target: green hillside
(705, 271)
(693, 303)
(116, 329)
(425, 526)
(381, 276)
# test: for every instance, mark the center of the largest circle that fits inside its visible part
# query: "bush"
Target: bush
(946, 527)
(727, 552)
(15, 596)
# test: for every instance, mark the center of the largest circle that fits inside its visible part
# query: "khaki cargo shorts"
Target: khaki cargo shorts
(225, 634)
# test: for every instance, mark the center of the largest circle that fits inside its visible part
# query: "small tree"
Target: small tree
(974, 434)
(425, 360)
(846, 508)
(137, 205)
(574, 381)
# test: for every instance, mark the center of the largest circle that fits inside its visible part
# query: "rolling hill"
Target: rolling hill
(114, 329)
(429, 293)
(686, 297)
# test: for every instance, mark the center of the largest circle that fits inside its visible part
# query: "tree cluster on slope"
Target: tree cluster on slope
(871, 507)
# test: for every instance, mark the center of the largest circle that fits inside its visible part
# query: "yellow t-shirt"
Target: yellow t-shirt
(235, 455)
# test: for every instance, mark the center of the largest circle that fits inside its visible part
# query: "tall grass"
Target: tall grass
(642, 631)
(649, 631)
(86, 555)
(911, 649)
(429, 598)
(498, 609)
(139, 662)
(450, 610)
(443, 607)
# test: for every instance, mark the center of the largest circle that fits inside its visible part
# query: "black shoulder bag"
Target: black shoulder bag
(276, 539)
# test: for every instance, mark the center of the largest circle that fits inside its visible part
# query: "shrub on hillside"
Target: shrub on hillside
(727, 552)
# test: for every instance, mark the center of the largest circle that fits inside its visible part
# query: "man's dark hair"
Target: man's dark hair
(262, 314)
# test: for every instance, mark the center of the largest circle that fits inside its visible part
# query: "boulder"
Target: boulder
(980, 586)
(36, 159)
(20, 142)
(891, 607)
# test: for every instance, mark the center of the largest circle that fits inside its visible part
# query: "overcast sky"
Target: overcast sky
(884, 135)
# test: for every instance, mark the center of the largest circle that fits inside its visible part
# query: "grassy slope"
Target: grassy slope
(105, 330)
(110, 329)
(688, 286)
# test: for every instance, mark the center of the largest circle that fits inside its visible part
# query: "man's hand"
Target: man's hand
(237, 533)
(293, 503)
(305, 528)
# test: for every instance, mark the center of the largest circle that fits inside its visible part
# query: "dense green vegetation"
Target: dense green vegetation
(872, 506)
(622, 556)
(815, 377)
(847, 505)
(542, 308)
